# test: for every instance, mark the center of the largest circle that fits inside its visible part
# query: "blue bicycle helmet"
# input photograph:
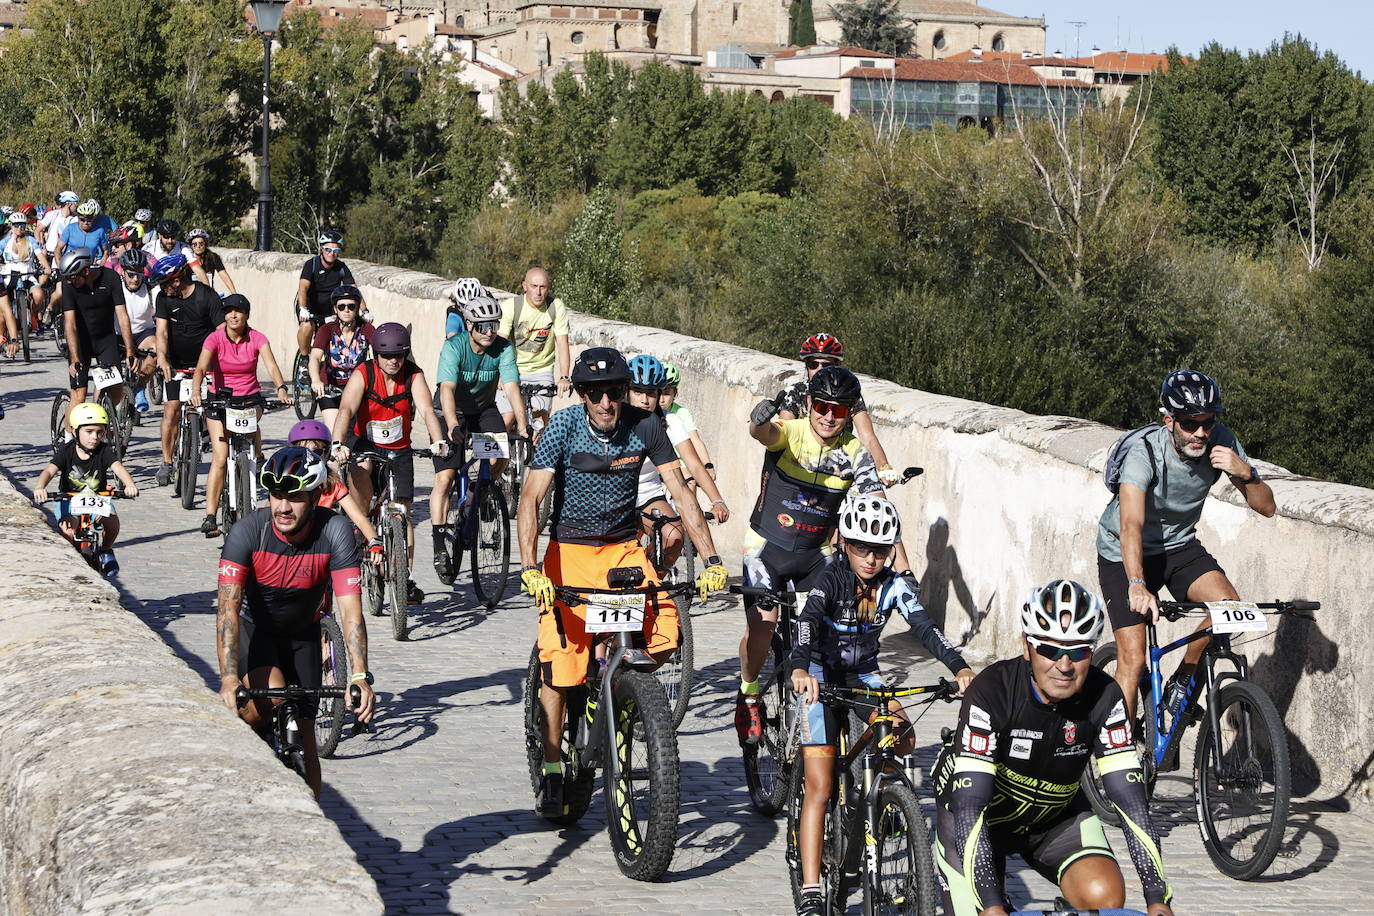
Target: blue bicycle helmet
(647, 372)
(169, 268)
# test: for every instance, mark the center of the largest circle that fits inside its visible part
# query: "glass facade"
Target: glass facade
(922, 104)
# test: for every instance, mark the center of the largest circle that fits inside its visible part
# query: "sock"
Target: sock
(554, 767)
(811, 888)
(749, 688)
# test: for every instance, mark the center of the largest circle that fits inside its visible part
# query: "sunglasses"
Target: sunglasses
(346, 306)
(1055, 652)
(401, 355)
(816, 363)
(594, 395)
(1191, 426)
(869, 550)
(332, 250)
(277, 492)
(838, 411)
(85, 219)
(485, 327)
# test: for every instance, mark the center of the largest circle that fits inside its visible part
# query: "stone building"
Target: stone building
(946, 27)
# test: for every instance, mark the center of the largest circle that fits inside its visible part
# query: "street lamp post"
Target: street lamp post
(267, 17)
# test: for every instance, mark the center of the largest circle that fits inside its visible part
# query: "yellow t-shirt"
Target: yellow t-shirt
(536, 333)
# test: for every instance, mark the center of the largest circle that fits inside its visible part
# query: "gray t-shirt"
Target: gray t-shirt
(1175, 492)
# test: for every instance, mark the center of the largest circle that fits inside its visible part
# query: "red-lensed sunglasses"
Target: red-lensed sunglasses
(838, 411)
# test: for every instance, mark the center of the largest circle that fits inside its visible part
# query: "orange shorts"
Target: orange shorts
(564, 643)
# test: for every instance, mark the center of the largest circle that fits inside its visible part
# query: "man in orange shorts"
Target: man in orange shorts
(590, 455)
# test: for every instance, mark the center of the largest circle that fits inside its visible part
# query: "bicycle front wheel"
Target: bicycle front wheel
(61, 406)
(490, 544)
(578, 782)
(1242, 782)
(373, 586)
(188, 461)
(21, 309)
(641, 791)
(302, 395)
(329, 721)
(246, 486)
(397, 573)
(767, 765)
(903, 883)
(1144, 729)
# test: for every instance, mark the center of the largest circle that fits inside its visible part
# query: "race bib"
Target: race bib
(88, 502)
(610, 613)
(187, 387)
(103, 377)
(1237, 617)
(242, 420)
(386, 432)
(489, 445)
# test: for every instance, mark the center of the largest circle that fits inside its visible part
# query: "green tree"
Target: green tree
(801, 23)
(875, 25)
(652, 143)
(599, 274)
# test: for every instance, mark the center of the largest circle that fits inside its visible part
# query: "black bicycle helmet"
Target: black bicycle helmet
(835, 384)
(1187, 392)
(169, 227)
(598, 365)
(134, 261)
(293, 470)
(345, 291)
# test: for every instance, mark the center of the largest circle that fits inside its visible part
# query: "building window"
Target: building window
(777, 96)
(939, 40)
(999, 42)
(576, 37)
(734, 14)
(868, 63)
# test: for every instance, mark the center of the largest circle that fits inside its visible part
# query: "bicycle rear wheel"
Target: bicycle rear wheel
(61, 406)
(490, 544)
(1242, 782)
(578, 782)
(678, 674)
(21, 311)
(1144, 729)
(904, 880)
(329, 721)
(187, 461)
(155, 387)
(121, 419)
(513, 478)
(397, 573)
(642, 794)
(302, 395)
(767, 765)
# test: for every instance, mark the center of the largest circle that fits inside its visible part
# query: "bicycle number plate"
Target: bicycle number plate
(385, 432)
(241, 420)
(489, 445)
(611, 613)
(103, 377)
(89, 503)
(1237, 617)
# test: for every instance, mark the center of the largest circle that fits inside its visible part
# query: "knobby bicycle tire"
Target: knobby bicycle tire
(1258, 759)
(1143, 727)
(642, 797)
(155, 387)
(329, 721)
(397, 573)
(490, 547)
(188, 460)
(247, 488)
(578, 782)
(832, 847)
(117, 439)
(21, 308)
(373, 587)
(302, 395)
(678, 674)
(908, 886)
(61, 406)
(766, 767)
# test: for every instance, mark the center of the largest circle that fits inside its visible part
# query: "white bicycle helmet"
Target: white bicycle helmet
(870, 519)
(481, 308)
(88, 207)
(466, 289)
(1063, 611)
(143, 215)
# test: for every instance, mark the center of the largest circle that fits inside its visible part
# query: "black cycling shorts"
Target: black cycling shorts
(489, 420)
(767, 565)
(298, 655)
(1175, 569)
(328, 403)
(103, 352)
(1049, 848)
(403, 466)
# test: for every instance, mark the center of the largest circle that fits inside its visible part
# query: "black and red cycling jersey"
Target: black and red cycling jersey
(288, 586)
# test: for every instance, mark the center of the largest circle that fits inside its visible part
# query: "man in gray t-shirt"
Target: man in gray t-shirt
(1147, 535)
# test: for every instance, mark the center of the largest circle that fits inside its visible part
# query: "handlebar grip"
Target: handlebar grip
(241, 696)
(1305, 605)
(912, 472)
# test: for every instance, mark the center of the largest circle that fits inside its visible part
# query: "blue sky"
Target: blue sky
(1347, 28)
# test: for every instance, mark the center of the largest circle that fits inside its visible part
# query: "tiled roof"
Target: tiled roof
(1105, 61)
(827, 51)
(949, 71)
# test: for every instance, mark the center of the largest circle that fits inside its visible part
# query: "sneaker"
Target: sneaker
(811, 904)
(550, 800)
(109, 566)
(443, 566)
(209, 527)
(164, 474)
(413, 593)
(749, 719)
(141, 401)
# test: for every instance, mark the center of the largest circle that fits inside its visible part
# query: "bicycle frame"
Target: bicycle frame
(463, 488)
(1167, 740)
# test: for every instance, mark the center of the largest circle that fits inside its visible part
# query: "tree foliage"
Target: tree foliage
(801, 23)
(875, 25)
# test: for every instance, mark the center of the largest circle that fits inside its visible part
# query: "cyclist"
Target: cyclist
(120, 241)
(279, 570)
(186, 311)
(590, 455)
(474, 367)
(538, 328)
(86, 463)
(465, 289)
(85, 232)
(210, 261)
(817, 352)
(1008, 781)
(320, 276)
(24, 261)
(809, 467)
(230, 354)
(166, 241)
(668, 402)
(375, 412)
(96, 320)
(1147, 535)
(837, 643)
(138, 301)
(647, 378)
(339, 347)
(143, 223)
(56, 220)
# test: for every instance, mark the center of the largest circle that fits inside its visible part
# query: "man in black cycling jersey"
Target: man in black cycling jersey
(186, 311)
(1008, 781)
(289, 560)
(320, 276)
(96, 321)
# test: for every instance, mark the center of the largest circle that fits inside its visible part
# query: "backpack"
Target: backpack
(1116, 455)
(515, 317)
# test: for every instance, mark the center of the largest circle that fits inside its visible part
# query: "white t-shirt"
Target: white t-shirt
(140, 307)
(156, 253)
(12, 263)
(53, 222)
(650, 483)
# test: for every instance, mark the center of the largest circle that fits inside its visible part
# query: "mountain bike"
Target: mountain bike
(302, 394)
(102, 379)
(768, 764)
(478, 519)
(334, 672)
(285, 736)
(678, 673)
(522, 453)
(617, 719)
(875, 834)
(24, 315)
(240, 418)
(89, 509)
(187, 446)
(1241, 777)
(386, 584)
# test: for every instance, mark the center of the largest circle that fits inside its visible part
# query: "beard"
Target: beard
(1188, 447)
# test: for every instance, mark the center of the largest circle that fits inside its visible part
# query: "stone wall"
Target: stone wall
(1008, 500)
(125, 785)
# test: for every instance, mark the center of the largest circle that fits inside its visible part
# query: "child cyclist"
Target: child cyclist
(837, 642)
(86, 463)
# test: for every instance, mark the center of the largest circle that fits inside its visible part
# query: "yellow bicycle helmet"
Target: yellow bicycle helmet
(88, 414)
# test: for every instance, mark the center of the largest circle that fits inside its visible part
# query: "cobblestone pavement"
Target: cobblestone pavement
(437, 802)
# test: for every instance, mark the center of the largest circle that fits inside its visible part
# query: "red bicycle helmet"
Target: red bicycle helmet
(822, 345)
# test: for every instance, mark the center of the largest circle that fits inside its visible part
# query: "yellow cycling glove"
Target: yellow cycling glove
(712, 579)
(539, 586)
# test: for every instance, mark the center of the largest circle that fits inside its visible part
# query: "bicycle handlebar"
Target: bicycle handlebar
(111, 493)
(538, 390)
(1174, 610)
(574, 594)
(777, 594)
(910, 474)
(225, 398)
(944, 690)
(363, 453)
(292, 692)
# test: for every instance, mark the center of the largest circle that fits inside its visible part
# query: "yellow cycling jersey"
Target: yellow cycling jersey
(534, 332)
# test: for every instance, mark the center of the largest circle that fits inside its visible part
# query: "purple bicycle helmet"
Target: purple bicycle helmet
(390, 338)
(306, 430)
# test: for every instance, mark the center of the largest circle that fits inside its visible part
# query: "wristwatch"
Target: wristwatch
(714, 561)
